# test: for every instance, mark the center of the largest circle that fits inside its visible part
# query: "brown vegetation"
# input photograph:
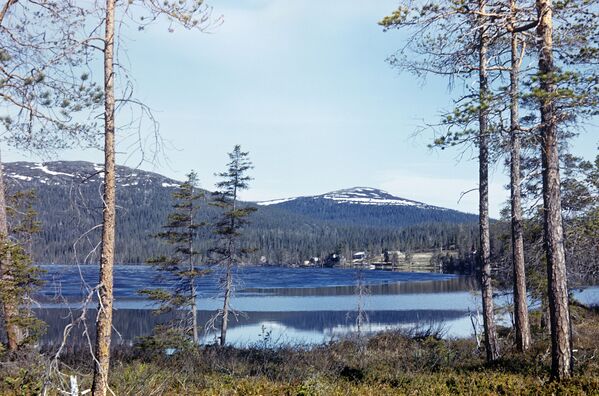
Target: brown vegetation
(387, 363)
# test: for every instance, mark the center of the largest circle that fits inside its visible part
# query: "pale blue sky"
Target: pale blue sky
(303, 85)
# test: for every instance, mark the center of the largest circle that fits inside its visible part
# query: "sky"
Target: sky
(304, 87)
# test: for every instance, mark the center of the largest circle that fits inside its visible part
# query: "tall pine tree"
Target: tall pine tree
(456, 39)
(228, 228)
(180, 268)
(22, 279)
(191, 14)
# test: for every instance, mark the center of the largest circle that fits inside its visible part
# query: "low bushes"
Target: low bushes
(388, 363)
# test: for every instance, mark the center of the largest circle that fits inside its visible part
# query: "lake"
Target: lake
(299, 306)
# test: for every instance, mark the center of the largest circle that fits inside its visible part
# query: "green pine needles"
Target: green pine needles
(21, 279)
(180, 269)
(228, 251)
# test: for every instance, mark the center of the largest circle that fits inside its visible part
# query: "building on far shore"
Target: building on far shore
(359, 256)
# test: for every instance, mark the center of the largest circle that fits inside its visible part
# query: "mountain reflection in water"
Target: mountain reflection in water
(296, 306)
(316, 327)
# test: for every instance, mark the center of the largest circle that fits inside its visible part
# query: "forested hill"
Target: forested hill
(282, 232)
(368, 207)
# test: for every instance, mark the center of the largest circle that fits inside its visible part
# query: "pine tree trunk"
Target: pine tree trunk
(228, 287)
(485, 244)
(544, 314)
(559, 315)
(104, 320)
(14, 334)
(520, 299)
(229, 274)
(194, 313)
(193, 303)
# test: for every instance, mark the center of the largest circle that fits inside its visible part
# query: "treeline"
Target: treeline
(69, 209)
(277, 236)
(393, 216)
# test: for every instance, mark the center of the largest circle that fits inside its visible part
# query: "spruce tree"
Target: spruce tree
(22, 279)
(180, 268)
(228, 228)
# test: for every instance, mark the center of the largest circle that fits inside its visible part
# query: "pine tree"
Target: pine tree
(484, 94)
(561, 356)
(23, 278)
(456, 39)
(43, 95)
(106, 279)
(180, 268)
(190, 14)
(566, 92)
(228, 227)
(521, 322)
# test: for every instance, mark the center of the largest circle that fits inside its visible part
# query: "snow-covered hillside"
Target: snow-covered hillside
(66, 173)
(358, 196)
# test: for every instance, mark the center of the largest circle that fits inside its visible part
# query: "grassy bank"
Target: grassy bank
(390, 363)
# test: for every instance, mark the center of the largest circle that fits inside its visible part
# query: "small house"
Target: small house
(359, 256)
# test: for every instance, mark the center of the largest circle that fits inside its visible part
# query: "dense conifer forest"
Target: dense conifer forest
(68, 205)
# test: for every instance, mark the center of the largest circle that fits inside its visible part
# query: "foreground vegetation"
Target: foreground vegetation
(416, 362)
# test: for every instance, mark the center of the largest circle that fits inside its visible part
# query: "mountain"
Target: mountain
(281, 232)
(70, 209)
(74, 173)
(368, 206)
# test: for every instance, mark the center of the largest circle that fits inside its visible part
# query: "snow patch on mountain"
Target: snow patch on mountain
(275, 201)
(20, 177)
(45, 169)
(368, 196)
(356, 196)
(67, 173)
(373, 201)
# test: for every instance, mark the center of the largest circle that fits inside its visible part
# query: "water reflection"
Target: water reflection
(454, 284)
(295, 306)
(313, 326)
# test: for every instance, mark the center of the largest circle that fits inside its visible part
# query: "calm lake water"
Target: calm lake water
(292, 305)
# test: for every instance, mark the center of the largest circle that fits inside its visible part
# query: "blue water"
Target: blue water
(74, 281)
(295, 305)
